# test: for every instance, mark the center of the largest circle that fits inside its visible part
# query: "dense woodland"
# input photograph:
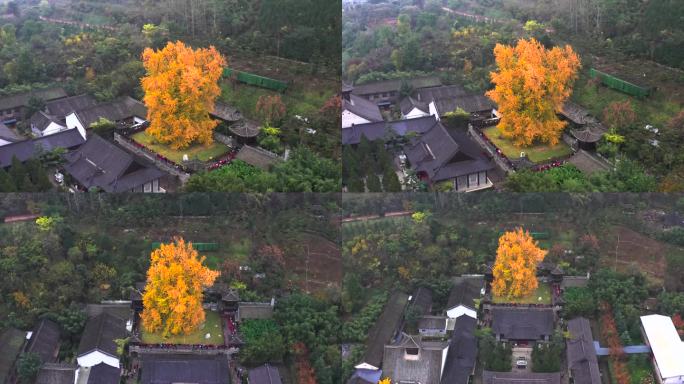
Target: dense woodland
(638, 40)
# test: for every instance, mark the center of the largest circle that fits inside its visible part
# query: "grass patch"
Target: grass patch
(195, 151)
(537, 153)
(543, 291)
(213, 260)
(238, 250)
(298, 100)
(639, 368)
(212, 325)
(655, 109)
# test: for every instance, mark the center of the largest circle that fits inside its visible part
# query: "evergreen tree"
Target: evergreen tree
(356, 185)
(6, 182)
(390, 181)
(17, 171)
(38, 175)
(373, 183)
(25, 184)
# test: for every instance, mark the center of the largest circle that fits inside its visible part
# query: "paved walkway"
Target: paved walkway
(588, 163)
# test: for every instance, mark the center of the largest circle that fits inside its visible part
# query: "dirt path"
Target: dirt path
(75, 23)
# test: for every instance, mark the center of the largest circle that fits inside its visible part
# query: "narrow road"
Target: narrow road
(478, 18)
(76, 23)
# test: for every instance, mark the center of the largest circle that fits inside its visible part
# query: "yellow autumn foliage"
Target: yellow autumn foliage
(173, 295)
(181, 87)
(515, 268)
(531, 86)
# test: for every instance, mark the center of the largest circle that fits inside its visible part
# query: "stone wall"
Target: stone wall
(142, 153)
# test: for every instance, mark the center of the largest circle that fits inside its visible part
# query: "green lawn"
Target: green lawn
(298, 100)
(212, 326)
(639, 368)
(543, 291)
(238, 250)
(537, 154)
(195, 151)
(657, 109)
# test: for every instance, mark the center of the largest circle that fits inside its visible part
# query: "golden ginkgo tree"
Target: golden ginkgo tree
(515, 268)
(531, 85)
(172, 303)
(181, 86)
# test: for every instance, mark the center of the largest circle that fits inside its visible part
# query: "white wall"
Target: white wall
(349, 119)
(73, 122)
(96, 357)
(445, 351)
(433, 110)
(460, 310)
(53, 128)
(415, 113)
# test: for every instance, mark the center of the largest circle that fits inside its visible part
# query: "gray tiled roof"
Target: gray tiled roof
(385, 328)
(248, 310)
(462, 355)
(264, 374)
(7, 134)
(591, 133)
(395, 85)
(99, 334)
(374, 131)
(122, 311)
(116, 110)
(64, 106)
(27, 149)
(427, 95)
(426, 368)
(104, 374)
(226, 112)
(469, 103)
(257, 157)
(41, 120)
(432, 322)
(99, 163)
(444, 156)
(466, 290)
(421, 301)
(574, 281)
(362, 107)
(22, 99)
(184, 368)
(407, 105)
(54, 373)
(245, 128)
(45, 341)
(574, 112)
(581, 354)
(522, 323)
